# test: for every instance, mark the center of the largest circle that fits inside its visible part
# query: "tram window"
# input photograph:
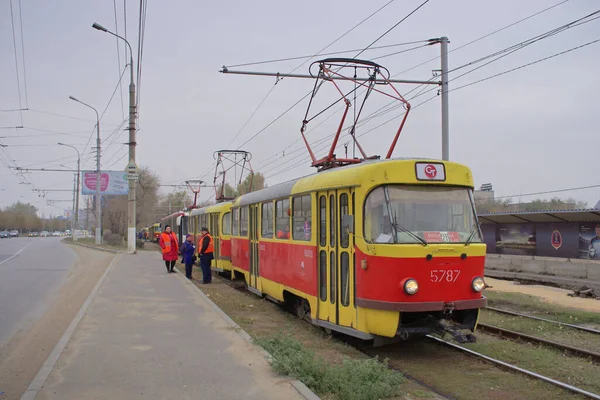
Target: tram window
(235, 221)
(343, 211)
(332, 221)
(332, 269)
(302, 218)
(323, 275)
(322, 221)
(282, 218)
(244, 221)
(226, 224)
(267, 220)
(345, 281)
(353, 219)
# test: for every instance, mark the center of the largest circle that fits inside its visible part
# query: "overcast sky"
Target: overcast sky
(531, 130)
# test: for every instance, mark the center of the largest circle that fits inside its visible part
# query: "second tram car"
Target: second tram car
(217, 218)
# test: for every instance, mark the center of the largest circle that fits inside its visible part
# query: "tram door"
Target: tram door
(327, 257)
(253, 246)
(214, 231)
(345, 262)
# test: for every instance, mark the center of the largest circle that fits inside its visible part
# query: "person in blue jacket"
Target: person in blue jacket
(187, 251)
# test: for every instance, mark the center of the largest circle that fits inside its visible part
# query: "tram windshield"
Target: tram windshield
(420, 214)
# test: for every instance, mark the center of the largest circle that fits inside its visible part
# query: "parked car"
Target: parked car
(44, 233)
(56, 233)
(34, 234)
(14, 233)
(4, 235)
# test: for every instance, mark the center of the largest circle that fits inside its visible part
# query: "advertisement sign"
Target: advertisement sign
(589, 241)
(111, 183)
(516, 239)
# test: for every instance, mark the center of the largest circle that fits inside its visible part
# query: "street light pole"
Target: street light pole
(131, 209)
(77, 195)
(98, 203)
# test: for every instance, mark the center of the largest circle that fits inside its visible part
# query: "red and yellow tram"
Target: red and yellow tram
(383, 248)
(217, 218)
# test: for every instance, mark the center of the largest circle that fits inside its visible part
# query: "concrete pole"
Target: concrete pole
(98, 200)
(77, 198)
(445, 121)
(131, 210)
(73, 205)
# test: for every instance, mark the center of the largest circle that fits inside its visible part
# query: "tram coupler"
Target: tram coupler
(458, 333)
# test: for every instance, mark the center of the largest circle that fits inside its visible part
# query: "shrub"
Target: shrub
(113, 239)
(370, 379)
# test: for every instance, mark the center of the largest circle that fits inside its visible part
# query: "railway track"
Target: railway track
(515, 368)
(578, 327)
(506, 333)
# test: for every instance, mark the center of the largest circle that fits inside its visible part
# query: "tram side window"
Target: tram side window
(267, 220)
(302, 218)
(244, 221)
(226, 224)
(322, 221)
(282, 218)
(344, 236)
(235, 216)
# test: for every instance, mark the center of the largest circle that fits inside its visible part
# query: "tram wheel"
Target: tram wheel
(302, 309)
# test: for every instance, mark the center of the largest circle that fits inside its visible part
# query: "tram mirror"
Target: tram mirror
(348, 223)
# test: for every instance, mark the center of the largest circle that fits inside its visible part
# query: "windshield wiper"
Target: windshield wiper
(414, 235)
(472, 234)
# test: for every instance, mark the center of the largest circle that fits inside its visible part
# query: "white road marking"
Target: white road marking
(14, 255)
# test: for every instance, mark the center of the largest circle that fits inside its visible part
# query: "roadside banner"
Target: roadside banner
(111, 183)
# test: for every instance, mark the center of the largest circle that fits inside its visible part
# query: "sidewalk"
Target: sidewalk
(148, 334)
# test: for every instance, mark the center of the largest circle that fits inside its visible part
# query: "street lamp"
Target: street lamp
(131, 217)
(98, 206)
(77, 193)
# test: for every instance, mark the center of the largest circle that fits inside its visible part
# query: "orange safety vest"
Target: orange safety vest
(166, 239)
(210, 248)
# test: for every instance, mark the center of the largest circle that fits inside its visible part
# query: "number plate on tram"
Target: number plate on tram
(444, 275)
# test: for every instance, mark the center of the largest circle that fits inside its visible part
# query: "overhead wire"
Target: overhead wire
(14, 36)
(23, 55)
(118, 57)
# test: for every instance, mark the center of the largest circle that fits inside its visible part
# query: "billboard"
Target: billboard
(111, 182)
(516, 239)
(589, 241)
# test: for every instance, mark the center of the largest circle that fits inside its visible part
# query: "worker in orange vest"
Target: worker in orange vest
(205, 251)
(170, 248)
(284, 234)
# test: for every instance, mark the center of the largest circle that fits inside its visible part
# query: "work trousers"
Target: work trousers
(188, 270)
(170, 265)
(205, 265)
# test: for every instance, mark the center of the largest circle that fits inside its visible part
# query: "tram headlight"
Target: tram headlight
(411, 286)
(478, 284)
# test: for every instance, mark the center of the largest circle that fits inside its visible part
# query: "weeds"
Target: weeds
(354, 379)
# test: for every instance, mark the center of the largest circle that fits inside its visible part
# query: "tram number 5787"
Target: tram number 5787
(444, 275)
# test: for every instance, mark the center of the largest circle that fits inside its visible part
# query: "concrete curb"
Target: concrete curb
(91, 247)
(42, 375)
(298, 385)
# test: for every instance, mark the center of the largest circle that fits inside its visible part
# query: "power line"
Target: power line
(23, 55)
(392, 28)
(12, 18)
(323, 54)
(118, 56)
(547, 192)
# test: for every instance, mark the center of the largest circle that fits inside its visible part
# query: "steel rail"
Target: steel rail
(534, 339)
(523, 371)
(583, 328)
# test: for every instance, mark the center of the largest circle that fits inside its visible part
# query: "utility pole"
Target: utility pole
(445, 120)
(98, 173)
(75, 190)
(131, 209)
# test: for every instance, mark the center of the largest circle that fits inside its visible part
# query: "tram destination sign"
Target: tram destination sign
(426, 171)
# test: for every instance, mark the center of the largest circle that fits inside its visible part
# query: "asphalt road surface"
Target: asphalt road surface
(31, 272)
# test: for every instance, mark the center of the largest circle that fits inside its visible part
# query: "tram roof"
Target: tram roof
(284, 189)
(175, 214)
(524, 217)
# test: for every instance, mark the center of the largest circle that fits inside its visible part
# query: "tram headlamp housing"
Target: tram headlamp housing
(478, 284)
(411, 286)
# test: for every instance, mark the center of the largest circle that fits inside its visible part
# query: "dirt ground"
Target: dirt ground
(23, 356)
(545, 293)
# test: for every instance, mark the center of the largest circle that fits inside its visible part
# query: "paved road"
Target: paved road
(31, 272)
